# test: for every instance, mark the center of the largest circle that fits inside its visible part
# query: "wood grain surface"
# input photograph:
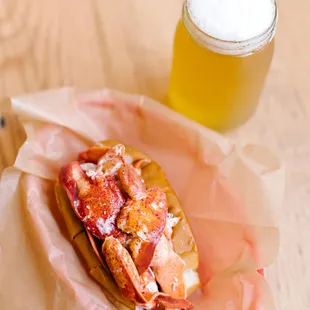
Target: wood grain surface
(127, 44)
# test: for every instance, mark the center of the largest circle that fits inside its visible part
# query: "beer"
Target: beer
(217, 78)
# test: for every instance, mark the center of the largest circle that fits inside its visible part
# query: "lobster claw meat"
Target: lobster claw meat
(141, 252)
(142, 289)
(123, 269)
(96, 201)
(132, 182)
(145, 220)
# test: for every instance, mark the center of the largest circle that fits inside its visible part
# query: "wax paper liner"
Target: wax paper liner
(231, 194)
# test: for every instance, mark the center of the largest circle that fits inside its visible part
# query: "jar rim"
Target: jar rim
(265, 37)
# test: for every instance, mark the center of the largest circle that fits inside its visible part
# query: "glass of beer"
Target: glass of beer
(222, 55)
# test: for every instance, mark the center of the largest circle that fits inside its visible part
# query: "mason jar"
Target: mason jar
(218, 82)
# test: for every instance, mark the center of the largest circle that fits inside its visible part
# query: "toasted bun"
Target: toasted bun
(182, 238)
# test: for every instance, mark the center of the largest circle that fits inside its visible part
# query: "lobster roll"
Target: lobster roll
(129, 227)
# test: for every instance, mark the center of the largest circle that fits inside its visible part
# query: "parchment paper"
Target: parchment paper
(231, 194)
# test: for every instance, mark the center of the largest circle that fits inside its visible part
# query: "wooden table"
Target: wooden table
(127, 45)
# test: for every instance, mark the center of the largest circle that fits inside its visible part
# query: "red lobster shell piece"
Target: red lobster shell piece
(96, 201)
(145, 220)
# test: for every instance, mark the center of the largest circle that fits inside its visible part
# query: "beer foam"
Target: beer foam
(232, 20)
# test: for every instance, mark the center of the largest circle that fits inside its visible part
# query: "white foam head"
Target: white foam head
(232, 20)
